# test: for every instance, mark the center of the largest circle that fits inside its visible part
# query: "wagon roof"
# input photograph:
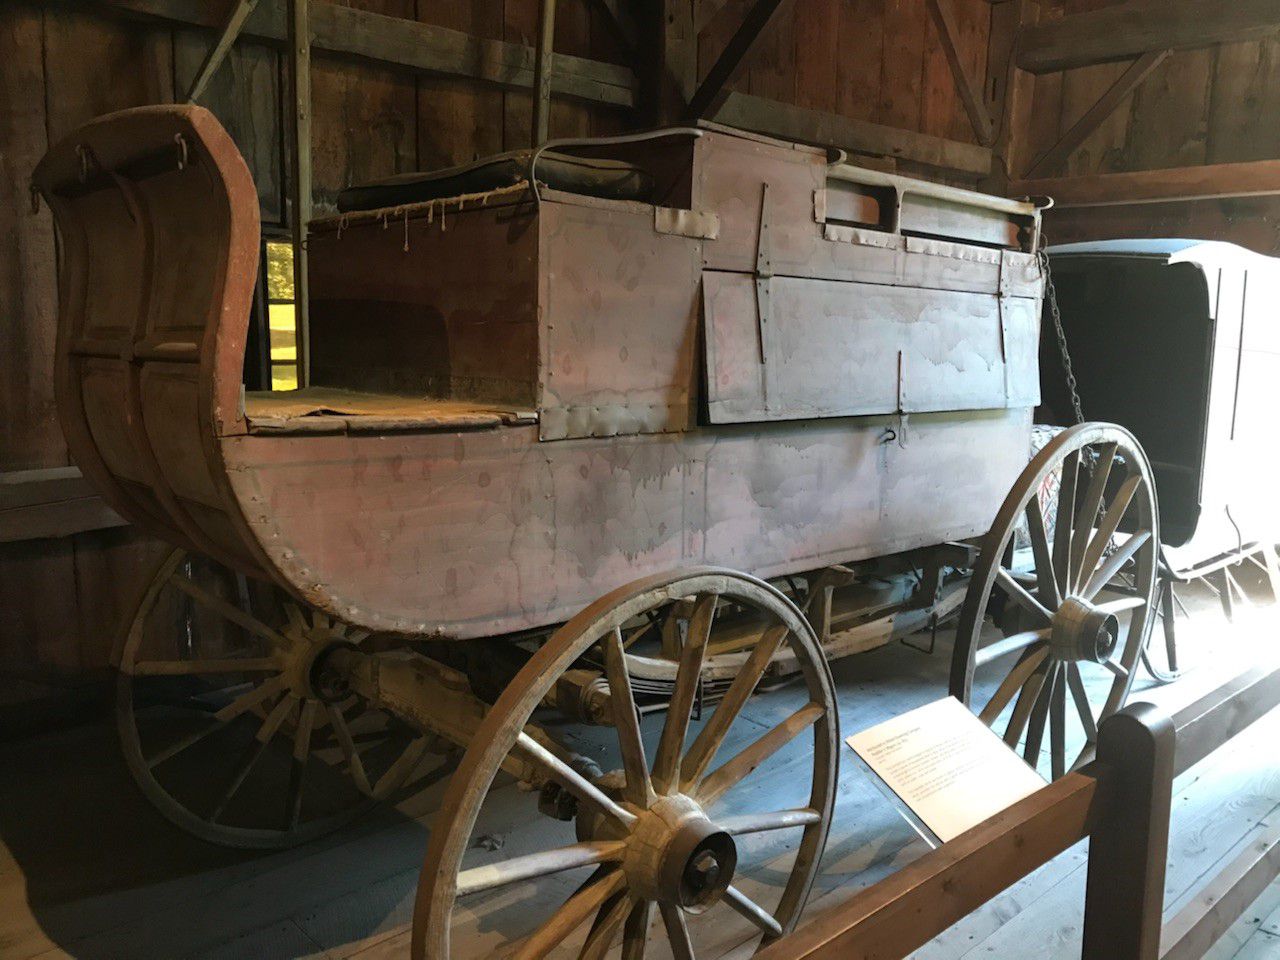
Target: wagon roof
(1173, 250)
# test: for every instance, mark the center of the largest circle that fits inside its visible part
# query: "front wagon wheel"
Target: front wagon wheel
(712, 830)
(1067, 577)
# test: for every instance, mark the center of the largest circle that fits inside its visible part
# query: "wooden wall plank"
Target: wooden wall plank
(1170, 120)
(861, 62)
(99, 64)
(817, 53)
(459, 121)
(1245, 103)
(110, 567)
(29, 432)
(37, 595)
(381, 105)
(245, 94)
(901, 77)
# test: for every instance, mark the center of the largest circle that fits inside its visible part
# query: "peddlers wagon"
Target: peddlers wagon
(556, 401)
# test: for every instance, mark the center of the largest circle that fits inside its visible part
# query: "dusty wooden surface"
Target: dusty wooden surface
(97, 874)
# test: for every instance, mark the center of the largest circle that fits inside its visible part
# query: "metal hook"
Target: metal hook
(183, 155)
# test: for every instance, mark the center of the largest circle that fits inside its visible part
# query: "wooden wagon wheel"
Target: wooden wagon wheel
(662, 837)
(1075, 606)
(221, 726)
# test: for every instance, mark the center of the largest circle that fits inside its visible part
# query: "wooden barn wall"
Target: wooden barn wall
(881, 61)
(62, 600)
(1213, 105)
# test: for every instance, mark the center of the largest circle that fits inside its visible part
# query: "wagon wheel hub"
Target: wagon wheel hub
(675, 854)
(308, 660)
(1082, 631)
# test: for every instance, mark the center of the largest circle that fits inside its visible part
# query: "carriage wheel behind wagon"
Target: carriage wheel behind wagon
(221, 726)
(656, 843)
(1075, 604)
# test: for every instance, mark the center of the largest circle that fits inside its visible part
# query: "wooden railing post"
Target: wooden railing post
(1124, 897)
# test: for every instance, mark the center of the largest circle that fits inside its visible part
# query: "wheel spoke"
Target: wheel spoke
(343, 733)
(711, 737)
(1081, 698)
(250, 699)
(402, 767)
(757, 914)
(573, 781)
(1026, 699)
(1062, 531)
(1121, 604)
(1119, 669)
(257, 747)
(760, 822)
(571, 915)
(1103, 575)
(1019, 641)
(1058, 725)
(638, 788)
(1107, 528)
(1011, 684)
(635, 936)
(677, 932)
(1088, 513)
(1039, 714)
(541, 864)
(184, 668)
(1047, 586)
(301, 750)
(601, 938)
(1022, 596)
(732, 771)
(228, 611)
(666, 764)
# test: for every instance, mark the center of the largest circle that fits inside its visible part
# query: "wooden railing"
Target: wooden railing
(1121, 803)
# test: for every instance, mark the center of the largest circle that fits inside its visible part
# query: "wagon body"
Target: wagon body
(518, 402)
(1177, 340)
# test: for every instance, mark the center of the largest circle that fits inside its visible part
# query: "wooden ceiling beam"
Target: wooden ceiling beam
(1141, 26)
(1053, 159)
(969, 89)
(1257, 178)
(397, 44)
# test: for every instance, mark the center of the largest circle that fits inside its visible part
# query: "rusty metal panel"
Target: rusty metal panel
(619, 320)
(831, 349)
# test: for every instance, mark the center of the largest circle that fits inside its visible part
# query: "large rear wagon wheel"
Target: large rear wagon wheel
(1068, 574)
(221, 725)
(658, 842)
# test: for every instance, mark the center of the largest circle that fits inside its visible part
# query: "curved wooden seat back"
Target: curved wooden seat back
(158, 221)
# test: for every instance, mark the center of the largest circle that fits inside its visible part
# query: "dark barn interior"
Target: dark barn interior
(531, 434)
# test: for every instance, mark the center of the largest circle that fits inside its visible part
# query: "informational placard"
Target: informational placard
(945, 766)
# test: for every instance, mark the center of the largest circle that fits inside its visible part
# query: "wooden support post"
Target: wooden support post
(1056, 156)
(1124, 894)
(969, 90)
(300, 127)
(543, 66)
(218, 52)
(712, 92)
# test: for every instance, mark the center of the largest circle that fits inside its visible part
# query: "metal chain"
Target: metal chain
(1051, 295)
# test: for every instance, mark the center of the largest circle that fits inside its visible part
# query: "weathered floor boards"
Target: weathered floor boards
(88, 870)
